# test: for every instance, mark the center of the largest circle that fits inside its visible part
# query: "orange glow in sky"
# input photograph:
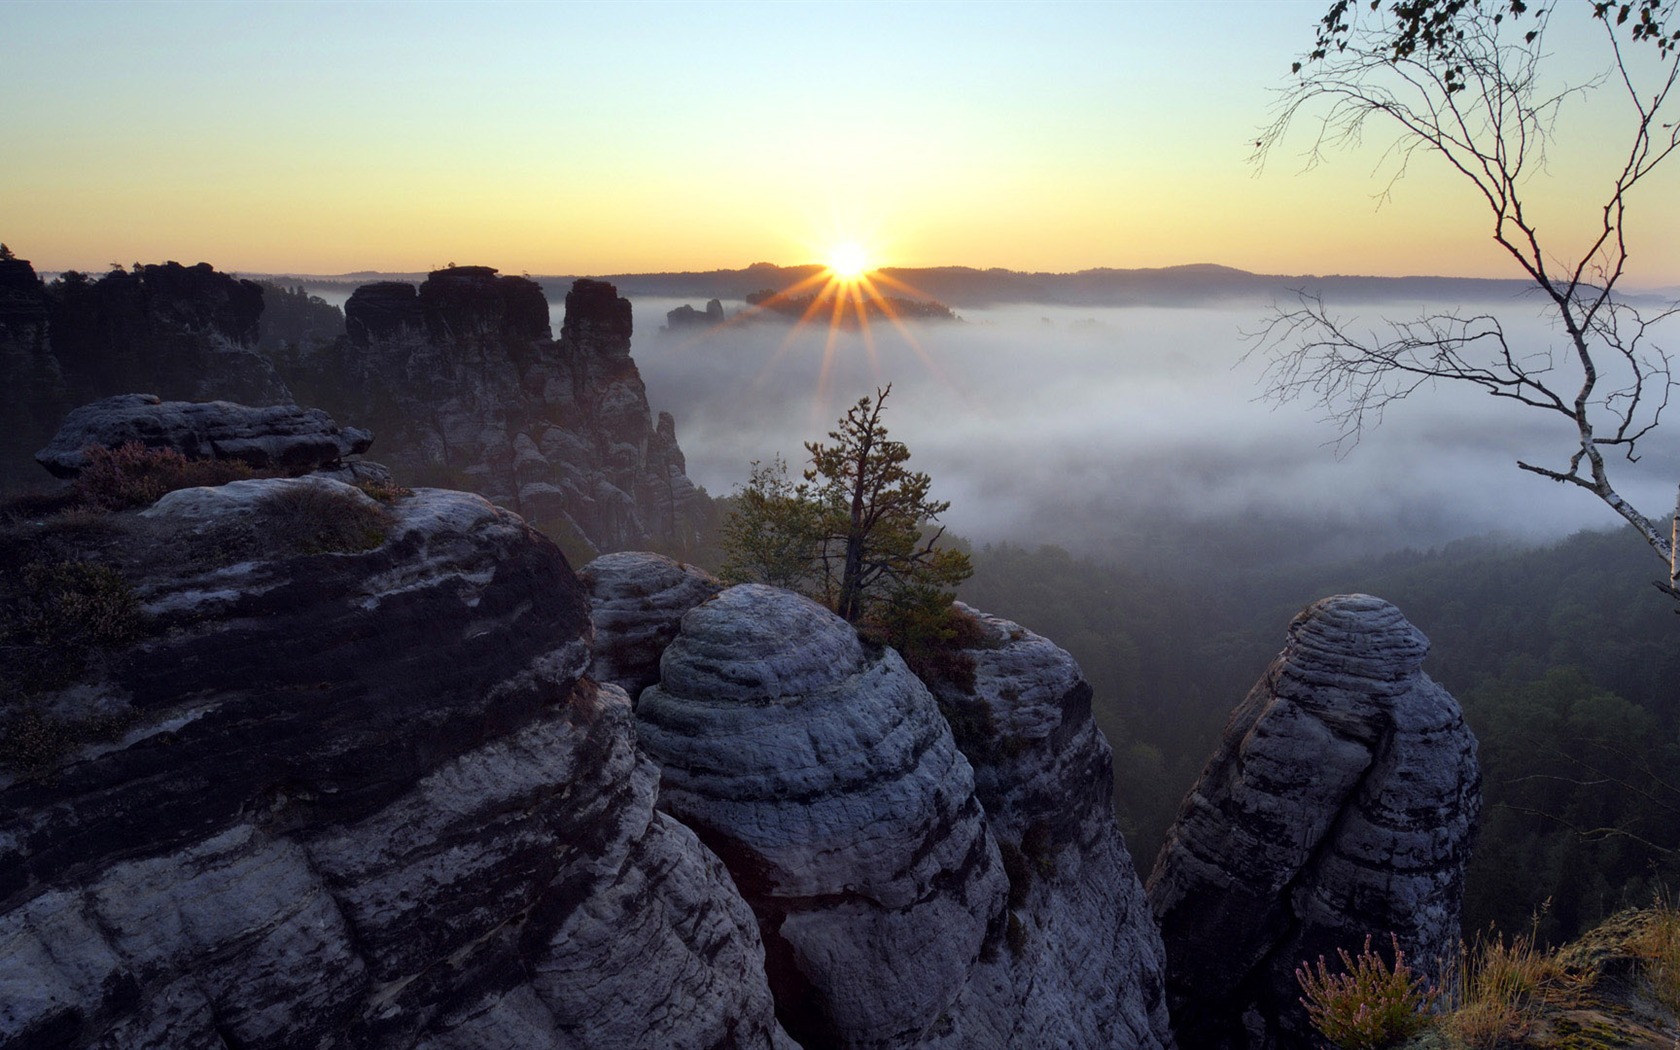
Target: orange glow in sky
(633, 138)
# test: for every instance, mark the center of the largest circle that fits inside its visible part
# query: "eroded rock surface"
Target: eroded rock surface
(277, 436)
(1082, 964)
(823, 775)
(466, 387)
(637, 600)
(1340, 803)
(358, 800)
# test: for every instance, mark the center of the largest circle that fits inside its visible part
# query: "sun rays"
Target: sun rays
(845, 296)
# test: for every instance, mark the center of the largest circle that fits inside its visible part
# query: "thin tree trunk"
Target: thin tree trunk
(1674, 550)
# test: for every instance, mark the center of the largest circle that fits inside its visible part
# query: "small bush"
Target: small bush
(386, 492)
(1370, 1005)
(929, 632)
(54, 615)
(318, 519)
(133, 475)
(32, 743)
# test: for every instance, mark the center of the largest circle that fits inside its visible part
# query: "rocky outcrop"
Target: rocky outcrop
(33, 392)
(1084, 966)
(1340, 803)
(637, 601)
(686, 316)
(184, 332)
(383, 311)
(363, 799)
(465, 386)
(283, 437)
(822, 773)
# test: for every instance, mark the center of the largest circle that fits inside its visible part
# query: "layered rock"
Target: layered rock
(275, 436)
(1340, 803)
(822, 773)
(637, 601)
(466, 387)
(1084, 965)
(355, 799)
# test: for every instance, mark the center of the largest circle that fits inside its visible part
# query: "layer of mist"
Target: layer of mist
(1131, 431)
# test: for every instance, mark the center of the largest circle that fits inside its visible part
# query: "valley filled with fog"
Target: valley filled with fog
(1120, 432)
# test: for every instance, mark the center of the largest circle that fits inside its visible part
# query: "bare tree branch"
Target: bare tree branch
(1464, 82)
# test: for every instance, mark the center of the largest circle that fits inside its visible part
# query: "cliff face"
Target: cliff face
(1084, 963)
(278, 784)
(823, 775)
(362, 798)
(1339, 804)
(465, 387)
(460, 378)
(914, 887)
(180, 332)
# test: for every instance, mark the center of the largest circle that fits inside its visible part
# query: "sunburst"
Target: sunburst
(847, 289)
(843, 293)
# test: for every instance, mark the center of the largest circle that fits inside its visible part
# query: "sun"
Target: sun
(848, 261)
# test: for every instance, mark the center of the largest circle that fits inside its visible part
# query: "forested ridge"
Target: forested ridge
(1563, 655)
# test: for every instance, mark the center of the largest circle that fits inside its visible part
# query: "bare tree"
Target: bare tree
(1461, 81)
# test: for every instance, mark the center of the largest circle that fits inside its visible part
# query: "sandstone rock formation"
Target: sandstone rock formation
(182, 332)
(1084, 963)
(1340, 803)
(637, 601)
(276, 436)
(357, 799)
(466, 388)
(823, 775)
(686, 316)
(460, 377)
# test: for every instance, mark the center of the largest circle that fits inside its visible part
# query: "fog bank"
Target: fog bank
(1105, 429)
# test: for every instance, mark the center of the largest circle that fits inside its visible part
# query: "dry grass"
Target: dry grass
(309, 519)
(1497, 987)
(1657, 946)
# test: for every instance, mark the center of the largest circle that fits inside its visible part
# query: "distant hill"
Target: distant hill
(1199, 284)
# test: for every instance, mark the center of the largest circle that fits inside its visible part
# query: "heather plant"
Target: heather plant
(34, 741)
(53, 616)
(134, 475)
(1370, 1004)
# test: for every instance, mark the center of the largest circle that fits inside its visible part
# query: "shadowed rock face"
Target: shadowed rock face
(277, 436)
(823, 775)
(1340, 803)
(637, 601)
(182, 332)
(465, 387)
(1083, 966)
(359, 800)
(381, 311)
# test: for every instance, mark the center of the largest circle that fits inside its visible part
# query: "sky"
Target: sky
(324, 138)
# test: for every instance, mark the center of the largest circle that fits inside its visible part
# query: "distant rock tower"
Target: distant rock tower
(1340, 803)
